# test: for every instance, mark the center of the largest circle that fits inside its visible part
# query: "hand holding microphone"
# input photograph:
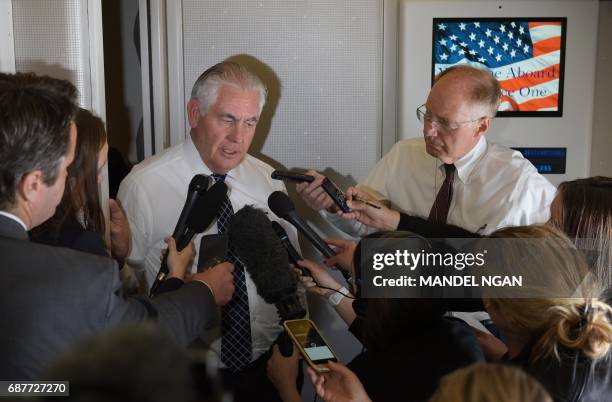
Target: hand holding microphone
(220, 281)
(314, 195)
(283, 207)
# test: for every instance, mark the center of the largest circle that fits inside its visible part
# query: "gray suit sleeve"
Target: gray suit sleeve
(184, 313)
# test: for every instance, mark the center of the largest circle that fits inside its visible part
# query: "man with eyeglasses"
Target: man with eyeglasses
(453, 175)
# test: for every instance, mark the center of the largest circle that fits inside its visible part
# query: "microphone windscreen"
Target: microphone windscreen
(206, 207)
(280, 204)
(199, 182)
(253, 240)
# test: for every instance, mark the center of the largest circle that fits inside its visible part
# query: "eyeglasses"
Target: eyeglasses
(425, 117)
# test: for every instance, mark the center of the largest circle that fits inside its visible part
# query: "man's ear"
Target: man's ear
(193, 112)
(483, 127)
(30, 185)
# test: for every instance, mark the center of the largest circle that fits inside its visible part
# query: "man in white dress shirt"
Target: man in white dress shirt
(225, 105)
(453, 175)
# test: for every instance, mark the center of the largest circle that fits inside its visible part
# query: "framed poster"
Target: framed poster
(526, 55)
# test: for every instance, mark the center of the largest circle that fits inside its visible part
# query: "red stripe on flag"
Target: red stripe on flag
(534, 104)
(534, 24)
(548, 74)
(546, 46)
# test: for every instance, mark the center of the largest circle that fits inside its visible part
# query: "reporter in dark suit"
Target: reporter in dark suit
(52, 297)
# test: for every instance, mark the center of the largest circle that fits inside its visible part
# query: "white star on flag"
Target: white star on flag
(441, 27)
(453, 47)
(525, 48)
(472, 52)
(453, 37)
(513, 24)
(488, 33)
(502, 28)
(521, 30)
(477, 24)
(505, 47)
(519, 42)
(443, 56)
(513, 53)
(482, 59)
(510, 35)
(462, 26)
(472, 36)
(443, 42)
(463, 44)
(498, 57)
(481, 44)
(496, 39)
(490, 50)
(461, 52)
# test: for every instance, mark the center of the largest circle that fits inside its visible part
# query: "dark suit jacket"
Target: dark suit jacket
(52, 297)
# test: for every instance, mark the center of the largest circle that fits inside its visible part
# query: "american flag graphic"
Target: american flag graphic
(526, 56)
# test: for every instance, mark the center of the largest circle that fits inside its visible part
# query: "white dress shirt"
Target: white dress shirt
(153, 195)
(493, 187)
(15, 218)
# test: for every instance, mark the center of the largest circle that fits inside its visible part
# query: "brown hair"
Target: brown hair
(35, 118)
(490, 382)
(403, 313)
(81, 195)
(583, 210)
(484, 88)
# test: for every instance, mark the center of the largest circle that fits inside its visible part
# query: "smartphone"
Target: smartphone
(292, 176)
(336, 194)
(311, 344)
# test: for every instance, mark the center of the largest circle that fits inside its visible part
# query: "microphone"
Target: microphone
(203, 208)
(293, 254)
(197, 186)
(283, 207)
(256, 244)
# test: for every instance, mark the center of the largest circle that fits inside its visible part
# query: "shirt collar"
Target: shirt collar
(195, 162)
(466, 164)
(15, 218)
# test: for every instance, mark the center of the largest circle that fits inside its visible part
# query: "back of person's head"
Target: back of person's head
(482, 88)
(80, 203)
(388, 319)
(490, 383)
(131, 364)
(35, 118)
(206, 87)
(583, 210)
(563, 309)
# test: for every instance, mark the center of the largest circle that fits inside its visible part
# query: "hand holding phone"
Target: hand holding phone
(306, 336)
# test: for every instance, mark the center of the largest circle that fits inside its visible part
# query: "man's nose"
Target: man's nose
(237, 133)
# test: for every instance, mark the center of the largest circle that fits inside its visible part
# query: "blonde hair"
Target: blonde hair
(580, 322)
(490, 383)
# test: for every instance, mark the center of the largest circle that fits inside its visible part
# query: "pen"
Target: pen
(356, 198)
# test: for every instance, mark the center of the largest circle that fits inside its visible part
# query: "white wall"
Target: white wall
(601, 162)
(573, 130)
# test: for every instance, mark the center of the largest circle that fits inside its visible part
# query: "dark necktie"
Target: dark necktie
(439, 209)
(236, 348)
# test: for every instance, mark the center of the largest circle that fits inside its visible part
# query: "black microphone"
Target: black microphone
(197, 186)
(202, 212)
(259, 248)
(293, 254)
(283, 207)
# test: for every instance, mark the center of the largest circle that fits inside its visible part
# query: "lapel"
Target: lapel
(12, 229)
